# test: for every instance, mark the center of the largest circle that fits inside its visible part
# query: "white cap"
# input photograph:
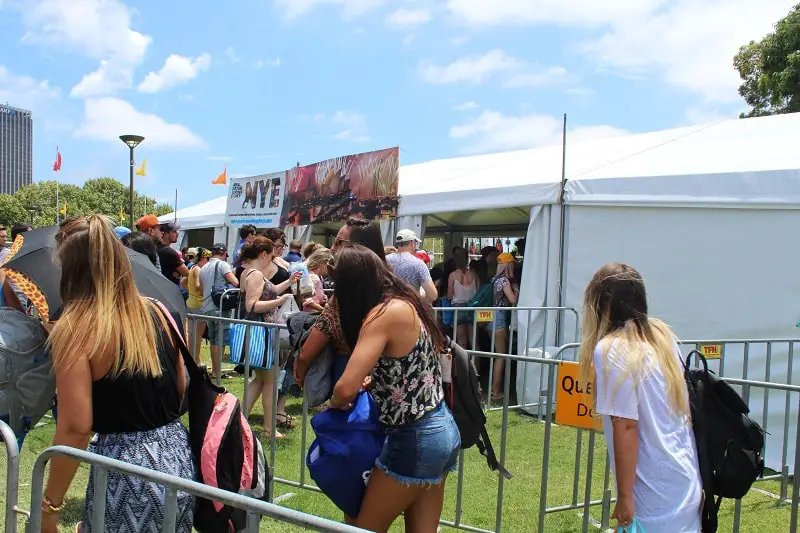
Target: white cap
(406, 235)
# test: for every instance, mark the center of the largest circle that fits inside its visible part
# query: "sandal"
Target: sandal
(285, 421)
(268, 435)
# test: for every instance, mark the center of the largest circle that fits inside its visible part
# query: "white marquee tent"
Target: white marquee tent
(708, 214)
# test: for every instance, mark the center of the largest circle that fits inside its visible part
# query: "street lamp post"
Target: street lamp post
(132, 141)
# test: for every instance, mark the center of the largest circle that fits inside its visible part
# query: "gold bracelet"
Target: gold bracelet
(48, 506)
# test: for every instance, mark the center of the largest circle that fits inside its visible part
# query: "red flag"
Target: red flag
(57, 163)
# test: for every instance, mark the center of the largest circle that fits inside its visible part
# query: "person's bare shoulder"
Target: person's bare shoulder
(395, 314)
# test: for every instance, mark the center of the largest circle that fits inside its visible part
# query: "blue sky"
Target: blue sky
(259, 85)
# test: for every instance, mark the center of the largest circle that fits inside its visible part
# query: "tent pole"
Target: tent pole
(562, 231)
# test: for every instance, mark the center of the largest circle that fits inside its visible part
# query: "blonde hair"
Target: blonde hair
(615, 313)
(104, 314)
(320, 257)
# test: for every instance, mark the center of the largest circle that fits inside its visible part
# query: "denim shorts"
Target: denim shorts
(422, 452)
(213, 329)
(500, 321)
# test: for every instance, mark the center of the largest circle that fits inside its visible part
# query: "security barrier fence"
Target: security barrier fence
(560, 413)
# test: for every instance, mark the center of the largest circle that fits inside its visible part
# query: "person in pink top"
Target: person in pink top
(317, 264)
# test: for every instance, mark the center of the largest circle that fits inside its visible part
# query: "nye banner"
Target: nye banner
(362, 185)
(256, 200)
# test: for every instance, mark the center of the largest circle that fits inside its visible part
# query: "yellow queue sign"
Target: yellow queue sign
(710, 351)
(574, 399)
(484, 316)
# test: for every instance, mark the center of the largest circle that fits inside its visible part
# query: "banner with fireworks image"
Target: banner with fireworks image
(256, 200)
(361, 185)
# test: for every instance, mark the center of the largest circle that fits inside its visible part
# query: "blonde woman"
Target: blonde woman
(642, 396)
(119, 376)
(505, 294)
(317, 265)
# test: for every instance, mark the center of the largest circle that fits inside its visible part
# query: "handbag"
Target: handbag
(223, 301)
(260, 342)
(281, 316)
(341, 458)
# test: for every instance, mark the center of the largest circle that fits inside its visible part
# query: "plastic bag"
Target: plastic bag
(305, 287)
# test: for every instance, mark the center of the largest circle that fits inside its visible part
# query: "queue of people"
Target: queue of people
(119, 375)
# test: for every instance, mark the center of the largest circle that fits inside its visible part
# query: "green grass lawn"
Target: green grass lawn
(760, 513)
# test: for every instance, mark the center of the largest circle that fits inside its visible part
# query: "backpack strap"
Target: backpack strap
(183, 348)
(484, 445)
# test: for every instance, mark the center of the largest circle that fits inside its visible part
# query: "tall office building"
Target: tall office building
(16, 149)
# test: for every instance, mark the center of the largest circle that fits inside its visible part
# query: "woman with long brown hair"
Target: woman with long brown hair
(261, 298)
(119, 375)
(639, 390)
(396, 339)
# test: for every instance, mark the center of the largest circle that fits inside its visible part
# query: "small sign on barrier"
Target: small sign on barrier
(485, 316)
(710, 351)
(574, 399)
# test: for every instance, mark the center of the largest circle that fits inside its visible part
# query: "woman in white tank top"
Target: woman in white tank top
(462, 285)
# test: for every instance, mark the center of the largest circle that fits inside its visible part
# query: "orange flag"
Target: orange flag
(222, 179)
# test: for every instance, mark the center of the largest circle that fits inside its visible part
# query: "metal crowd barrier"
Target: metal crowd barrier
(12, 477)
(605, 501)
(254, 508)
(527, 345)
(582, 494)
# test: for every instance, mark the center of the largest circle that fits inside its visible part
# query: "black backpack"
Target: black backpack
(463, 397)
(730, 445)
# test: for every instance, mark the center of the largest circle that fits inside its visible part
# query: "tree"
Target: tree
(11, 211)
(770, 69)
(163, 209)
(103, 195)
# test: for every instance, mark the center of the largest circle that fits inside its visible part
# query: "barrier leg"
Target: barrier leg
(170, 510)
(787, 409)
(99, 505)
(548, 422)
(587, 496)
(503, 442)
(12, 476)
(220, 352)
(796, 478)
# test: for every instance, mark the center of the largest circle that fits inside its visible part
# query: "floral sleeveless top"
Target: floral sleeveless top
(406, 388)
(267, 295)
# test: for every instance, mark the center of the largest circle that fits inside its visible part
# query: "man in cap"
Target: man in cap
(216, 274)
(150, 226)
(172, 266)
(410, 268)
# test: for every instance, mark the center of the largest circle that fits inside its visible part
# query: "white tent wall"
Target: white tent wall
(711, 274)
(416, 223)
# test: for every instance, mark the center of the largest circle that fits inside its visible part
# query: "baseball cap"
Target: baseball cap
(219, 248)
(191, 252)
(121, 232)
(147, 222)
(406, 235)
(171, 226)
(504, 258)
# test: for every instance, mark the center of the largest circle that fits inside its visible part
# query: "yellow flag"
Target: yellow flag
(142, 170)
(121, 215)
(222, 179)
(63, 210)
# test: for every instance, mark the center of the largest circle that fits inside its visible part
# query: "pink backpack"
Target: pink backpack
(227, 453)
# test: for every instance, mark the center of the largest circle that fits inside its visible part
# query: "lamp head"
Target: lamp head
(131, 140)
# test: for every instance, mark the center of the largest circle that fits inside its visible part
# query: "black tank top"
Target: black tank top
(127, 404)
(280, 275)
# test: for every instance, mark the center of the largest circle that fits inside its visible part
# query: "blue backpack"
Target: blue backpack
(341, 458)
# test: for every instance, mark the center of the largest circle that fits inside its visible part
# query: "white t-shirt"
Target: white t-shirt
(212, 275)
(667, 491)
(409, 268)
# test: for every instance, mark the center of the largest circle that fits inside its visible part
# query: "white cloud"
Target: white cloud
(350, 8)
(466, 106)
(547, 76)
(690, 44)
(492, 131)
(474, 69)
(105, 119)
(679, 44)
(458, 41)
(177, 70)
(230, 53)
(100, 29)
(406, 18)
(261, 63)
(223, 158)
(354, 124)
(477, 69)
(563, 12)
(24, 91)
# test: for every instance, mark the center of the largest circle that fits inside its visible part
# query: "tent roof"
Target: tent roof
(205, 215)
(736, 161)
(753, 161)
